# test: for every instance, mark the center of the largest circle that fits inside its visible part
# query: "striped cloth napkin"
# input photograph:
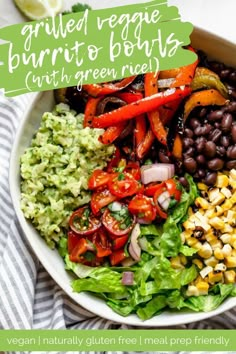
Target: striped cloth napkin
(29, 298)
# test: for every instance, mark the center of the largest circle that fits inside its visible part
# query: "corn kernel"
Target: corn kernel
(183, 259)
(232, 174)
(219, 210)
(218, 254)
(201, 202)
(227, 193)
(216, 244)
(202, 187)
(217, 223)
(233, 253)
(215, 277)
(230, 262)
(227, 229)
(210, 213)
(198, 263)
(234, 245)
(205, 271)
(222, 181)
(175, 263)
(193, 242)
(205, 251)
(212, 261)
(229, 276)
(202, 287)
(192, 291)
(227, 250)
(226, 238)
(220, 266)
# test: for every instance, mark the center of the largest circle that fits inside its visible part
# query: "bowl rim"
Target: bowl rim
(84, 299)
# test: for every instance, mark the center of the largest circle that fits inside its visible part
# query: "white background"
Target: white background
(218, 16)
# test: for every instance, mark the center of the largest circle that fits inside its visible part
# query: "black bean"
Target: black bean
(194, 123)
(207, 128)
(198, 131)
(201, 173)
(226, 122)
(163, 157)
(190, 152)
(225, 73)
(231, 164)
(224, 140)
(190, 165)
(200, 143)
(210, 149)
(215, 135)
(232, 77)
(215, 115)
(210, 178)
(215, 164)
(231, 152)
(201, 159)
(231, 107)
(203, 112)
(220, 151)
(183, 181)
(233, 133)
(216, 66)
(188, 133)
(187, 142)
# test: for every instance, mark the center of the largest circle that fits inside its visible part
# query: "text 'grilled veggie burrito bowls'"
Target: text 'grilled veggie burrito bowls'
(134, 182)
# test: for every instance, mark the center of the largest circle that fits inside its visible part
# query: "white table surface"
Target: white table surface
(214, 15)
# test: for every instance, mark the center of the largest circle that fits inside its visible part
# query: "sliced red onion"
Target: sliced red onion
(127, 278)
(134, 248)
(163, 83)
(157, 172)
(128, 262)
(164, 200)
(143, 222)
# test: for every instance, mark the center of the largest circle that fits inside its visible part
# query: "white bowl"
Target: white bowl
(215, 47)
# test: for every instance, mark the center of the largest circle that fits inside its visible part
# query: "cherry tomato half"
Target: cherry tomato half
(117, 257)
(99, 178)
(157, 194)
(172, 188)
(142, 207)
(119, 242)
(118, 223)
(101, 198)
(152, 188)
(101, 242)
(123, 185)
(80, 248)
(83, 222)
(133, 168)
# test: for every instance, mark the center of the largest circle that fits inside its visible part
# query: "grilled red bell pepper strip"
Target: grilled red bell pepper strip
(129, 97)
(134, 109)
(168, 111)
(186, 73)
(203, 98)
(140, 129)
(145, 145)
(90, 111)
(150, 88)
(108, 87)
(112, 133)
